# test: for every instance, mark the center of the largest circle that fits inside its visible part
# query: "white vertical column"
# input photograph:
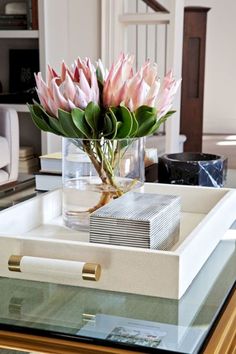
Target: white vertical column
(113, 32)
(53, 48)
(105, 32)
(68, 29)
(54, 32)
(84, 26)
(174, 61)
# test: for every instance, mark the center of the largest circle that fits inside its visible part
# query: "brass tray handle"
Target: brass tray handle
(47, 266)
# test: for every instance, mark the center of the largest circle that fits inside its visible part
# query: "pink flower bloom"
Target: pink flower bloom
(123, 86)
(78, 86)
(74, 87)
(101, 70)
(166, 94)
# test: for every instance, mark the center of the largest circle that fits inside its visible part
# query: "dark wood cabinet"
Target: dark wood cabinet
(193, 72)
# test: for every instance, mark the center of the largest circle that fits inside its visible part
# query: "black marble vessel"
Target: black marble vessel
(192, 168)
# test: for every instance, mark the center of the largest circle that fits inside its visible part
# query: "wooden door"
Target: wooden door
(193, 70)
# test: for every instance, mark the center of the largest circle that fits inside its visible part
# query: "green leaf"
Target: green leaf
(40, 119)
(67, 124)
(78, 117)
(160, 122)
(56, 125)
(92, 116)
(118, 125)
(99, 76)
(146, 118)
(115, 124)
(145, 128)
(53, 122)
(114, 110)
(108, 126)
(168, 114)
(124, 116)
(145, 112)
(134, 126)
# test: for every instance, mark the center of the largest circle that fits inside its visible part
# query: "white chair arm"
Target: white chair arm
(9, 128)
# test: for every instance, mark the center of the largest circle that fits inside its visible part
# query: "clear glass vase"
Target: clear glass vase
(97, 171)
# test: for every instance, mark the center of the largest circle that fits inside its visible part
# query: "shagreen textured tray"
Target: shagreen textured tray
(45, 250)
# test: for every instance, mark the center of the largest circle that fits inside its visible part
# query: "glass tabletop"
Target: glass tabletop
(119, 319)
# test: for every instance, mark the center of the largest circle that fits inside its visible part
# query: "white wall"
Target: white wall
(68, 29)
(72, 30)
(84, 29)
(220, 73)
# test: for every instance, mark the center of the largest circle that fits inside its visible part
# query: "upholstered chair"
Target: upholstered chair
(9, 145)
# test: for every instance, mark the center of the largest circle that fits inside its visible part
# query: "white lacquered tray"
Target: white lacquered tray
(54, 253)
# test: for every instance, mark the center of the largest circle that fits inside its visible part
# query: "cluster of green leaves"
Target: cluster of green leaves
(93, 123)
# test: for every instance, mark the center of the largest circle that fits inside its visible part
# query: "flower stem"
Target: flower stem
(104, 199)
(104, 169)
(97, 165)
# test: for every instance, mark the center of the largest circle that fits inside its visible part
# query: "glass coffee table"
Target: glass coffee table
(50, 318)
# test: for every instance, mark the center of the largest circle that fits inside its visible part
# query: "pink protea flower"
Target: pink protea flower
(166, 94)
(74, 87)
(123, 86)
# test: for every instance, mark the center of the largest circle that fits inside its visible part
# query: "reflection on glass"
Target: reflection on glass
(143, 333)
(124, 318)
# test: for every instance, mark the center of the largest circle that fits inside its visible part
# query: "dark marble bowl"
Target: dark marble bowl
(192, 168)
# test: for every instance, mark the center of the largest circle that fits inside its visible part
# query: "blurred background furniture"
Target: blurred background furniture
(9, 146)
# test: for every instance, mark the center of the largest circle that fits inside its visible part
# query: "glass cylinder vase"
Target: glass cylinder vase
(97, 171)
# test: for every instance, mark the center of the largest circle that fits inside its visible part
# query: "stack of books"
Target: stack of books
(141, 220)
(28, 163)
(19, 15)
(50, 175)
(13, 22)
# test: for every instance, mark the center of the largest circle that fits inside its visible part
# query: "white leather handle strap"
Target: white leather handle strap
(47, 266)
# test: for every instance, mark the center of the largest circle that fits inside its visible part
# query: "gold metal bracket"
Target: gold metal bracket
(14, 263)
(91, 271)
